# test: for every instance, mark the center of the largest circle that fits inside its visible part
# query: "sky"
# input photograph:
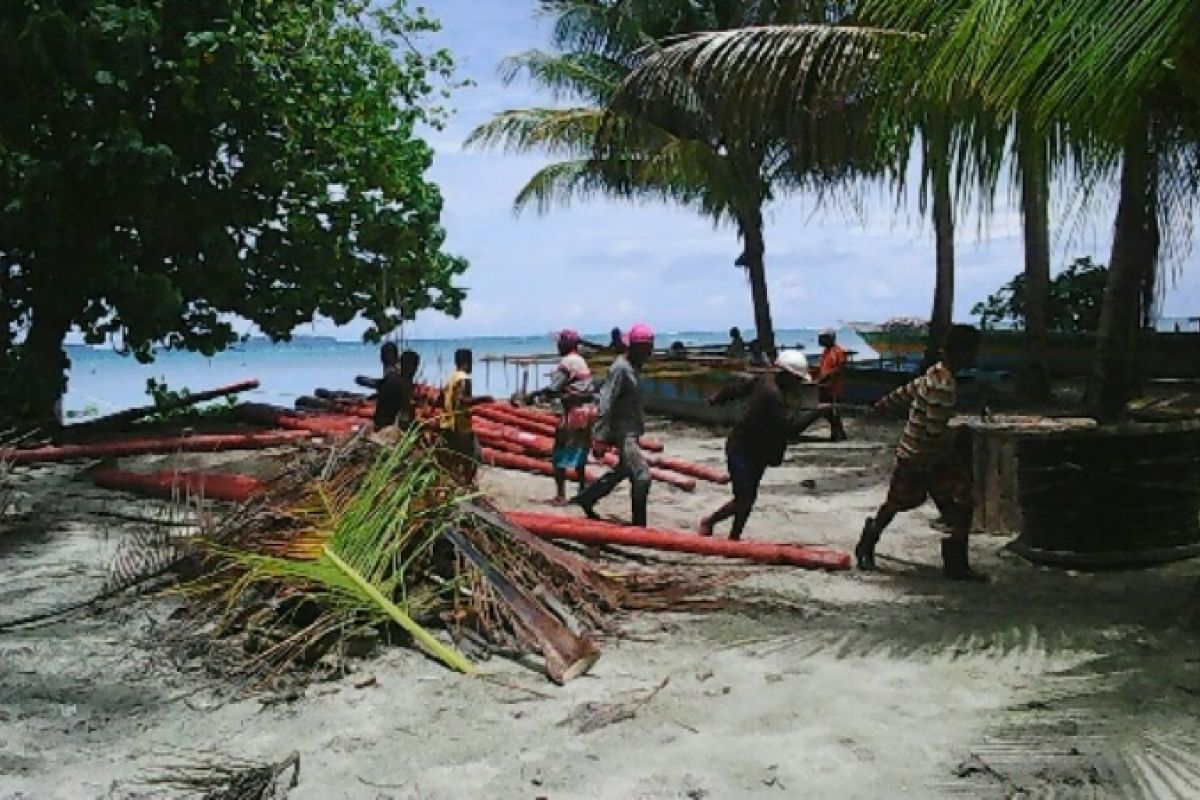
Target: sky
(605, 262)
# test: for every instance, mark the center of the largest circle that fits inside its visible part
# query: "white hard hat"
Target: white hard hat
(794, 362)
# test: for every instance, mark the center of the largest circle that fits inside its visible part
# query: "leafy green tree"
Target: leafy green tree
(167, 166)
(1075, 297)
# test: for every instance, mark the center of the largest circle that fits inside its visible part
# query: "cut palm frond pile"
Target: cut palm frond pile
(370, 539)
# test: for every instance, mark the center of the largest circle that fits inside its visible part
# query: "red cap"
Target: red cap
(640, 334)
(568, 336)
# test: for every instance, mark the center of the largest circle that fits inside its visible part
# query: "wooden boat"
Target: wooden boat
(1068, 355)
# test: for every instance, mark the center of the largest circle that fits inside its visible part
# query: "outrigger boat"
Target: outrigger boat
(678, 385)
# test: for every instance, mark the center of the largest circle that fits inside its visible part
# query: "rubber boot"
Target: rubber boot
(955, 565)
(640, 498)
(864, 551)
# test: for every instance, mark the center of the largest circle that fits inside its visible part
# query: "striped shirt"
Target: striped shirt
(927, 435)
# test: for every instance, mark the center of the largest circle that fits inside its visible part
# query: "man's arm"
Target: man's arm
(901, 396)
(734, 391)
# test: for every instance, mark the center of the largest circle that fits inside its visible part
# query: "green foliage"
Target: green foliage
(1076, 295)
(168, 401)
(167, 166)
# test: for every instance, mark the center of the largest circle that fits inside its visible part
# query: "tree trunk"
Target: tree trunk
(937, 155)
(753, 259)
(42, 363)
(1033, 377)
(1134, 256)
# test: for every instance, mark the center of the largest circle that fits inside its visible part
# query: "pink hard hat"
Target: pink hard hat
(568, 336)
(641, 333)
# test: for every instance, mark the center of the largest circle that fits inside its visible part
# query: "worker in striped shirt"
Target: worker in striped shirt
(926, 463)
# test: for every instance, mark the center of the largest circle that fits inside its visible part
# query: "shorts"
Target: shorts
(948, 483)
(745, 474)
(571, 446)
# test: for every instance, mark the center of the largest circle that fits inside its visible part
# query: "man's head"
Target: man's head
(791, 368)
(463, 359)
(827, 337)
(735, 334)
(389, 354)
(962, 343)
(568, 341)
(410, 362)
(640, 341)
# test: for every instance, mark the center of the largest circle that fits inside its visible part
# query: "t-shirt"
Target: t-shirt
(762, 432)
(456, 409)
(833, 362)
(927, 436)
(619, 411)
(394, 400)
(572, 380)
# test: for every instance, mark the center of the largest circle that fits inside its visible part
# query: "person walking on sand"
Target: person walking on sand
(616, 342)
(832, 383)
(759, 439)
(572, 384)
(926, 463)
(393, 400)
(457, 432)
(619, 423)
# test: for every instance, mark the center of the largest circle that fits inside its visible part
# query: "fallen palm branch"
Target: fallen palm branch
(224, 778)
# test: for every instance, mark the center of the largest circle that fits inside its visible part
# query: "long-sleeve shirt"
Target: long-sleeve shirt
(762, 432)
(927, 434)
(619, 411)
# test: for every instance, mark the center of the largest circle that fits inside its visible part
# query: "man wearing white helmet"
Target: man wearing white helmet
(759, 439)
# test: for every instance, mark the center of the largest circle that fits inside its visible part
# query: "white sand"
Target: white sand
(817, 685)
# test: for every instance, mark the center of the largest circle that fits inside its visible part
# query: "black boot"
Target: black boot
(640, 496)
(955, 565)
(837, 429)
(864, 551)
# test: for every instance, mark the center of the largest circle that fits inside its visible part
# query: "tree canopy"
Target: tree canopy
(168, 166)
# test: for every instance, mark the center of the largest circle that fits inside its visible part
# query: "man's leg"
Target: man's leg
(639, 479)
(805, 421)
(720, 515)
(745, 499)
(600, 488)
(908, 488)
(837, 428)
(951, 490)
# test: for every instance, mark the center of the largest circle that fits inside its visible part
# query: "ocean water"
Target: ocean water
(102, 381)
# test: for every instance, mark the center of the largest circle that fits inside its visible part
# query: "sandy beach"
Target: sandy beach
(1045, 683)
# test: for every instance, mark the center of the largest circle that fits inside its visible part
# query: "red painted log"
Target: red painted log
(230, 487)
(499, 458)
(319, 424)
(651, 445)
(557, 526)
(688, 468)
(687, 484)
(507, 416)
(154, 445)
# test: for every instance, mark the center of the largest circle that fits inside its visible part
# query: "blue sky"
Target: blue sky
(604, 263)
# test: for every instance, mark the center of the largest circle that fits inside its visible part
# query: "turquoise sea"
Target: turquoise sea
(103, 381)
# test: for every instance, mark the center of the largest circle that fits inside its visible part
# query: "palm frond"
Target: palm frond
(586, 77)
(556, 131)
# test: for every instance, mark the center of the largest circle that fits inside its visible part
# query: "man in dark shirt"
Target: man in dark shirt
(758, 441)
(393, 402)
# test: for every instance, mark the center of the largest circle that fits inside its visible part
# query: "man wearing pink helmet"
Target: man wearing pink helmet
(572, 384)
(619, 423)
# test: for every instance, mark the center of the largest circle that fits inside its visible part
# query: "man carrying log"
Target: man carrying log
(393, 401)
(619, 423)
(572, 384)
(926, 462)
(758, 441)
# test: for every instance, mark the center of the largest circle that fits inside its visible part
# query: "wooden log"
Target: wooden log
(121, 419)
(226, 486)
(136, 446)
(557, 526)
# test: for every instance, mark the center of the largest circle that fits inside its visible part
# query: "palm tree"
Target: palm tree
(1106, 68)
(686, 158)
